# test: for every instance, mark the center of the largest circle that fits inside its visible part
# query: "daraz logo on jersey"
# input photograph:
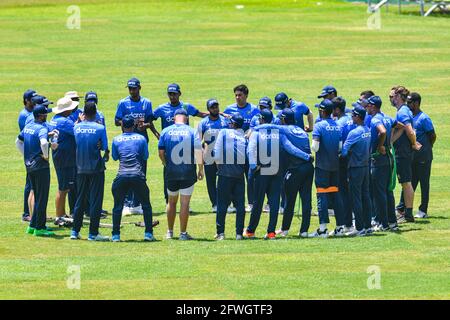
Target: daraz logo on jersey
(366, 135)
(269, 136)
(178, 133)
(332, 128)
(128, 138)
(28, 131)
(85, 130)
(297, 131)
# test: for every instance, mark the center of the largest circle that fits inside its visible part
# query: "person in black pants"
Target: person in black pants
(230, 156)
(32, 142)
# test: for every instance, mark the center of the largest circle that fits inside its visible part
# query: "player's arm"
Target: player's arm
(412, 137)
(162, 149)
(152, 128)
(310, 118)
(381, 139)
(20, 145)
(198, 153)
(351, 140)
(432, 137)
(253, 150)
(293, 150)
(114, 153)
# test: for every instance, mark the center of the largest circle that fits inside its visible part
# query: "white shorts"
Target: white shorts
(180, 187)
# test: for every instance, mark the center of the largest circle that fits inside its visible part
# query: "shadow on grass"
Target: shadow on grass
(436, 217)
(422, 222)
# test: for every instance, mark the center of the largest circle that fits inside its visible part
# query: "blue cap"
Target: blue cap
(359, 111)
(211, 102)
(288, 114)
(173, 87)
(133, 83)
(325, 105)
(91, 96)
(238, 119)
(357, 104)
(327, 90)
(180, 111)
(30, 93)
(375, 100)
(40, 109)
(128, 121)
(267, 115)
(281, 100)
(40, 100)
(265, 102)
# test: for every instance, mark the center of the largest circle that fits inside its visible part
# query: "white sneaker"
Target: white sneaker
(373, 222)
(169, 234)
(319, 234)
(249, 208)
(185, 236)
(348, 229)
(98, 237)
(239, 237)
(214, 209)
(353, 232)
(421, 215)
(282, 233)
(266, 208)
(137, 210)
(219, 236)
(281, 210)
(331, 212)
(361, 233)
(304, 235)
(231, 209)
(337, 232)
(126, 211)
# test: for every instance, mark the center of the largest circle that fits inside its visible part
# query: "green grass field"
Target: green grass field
(208, 47)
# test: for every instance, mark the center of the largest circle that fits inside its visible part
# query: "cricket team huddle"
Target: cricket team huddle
(355, 158)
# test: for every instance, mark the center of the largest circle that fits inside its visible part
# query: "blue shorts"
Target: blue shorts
(66, 178)
(326, 181)
(404, 169)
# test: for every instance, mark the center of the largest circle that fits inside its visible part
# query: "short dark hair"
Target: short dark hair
(242, 88)
(90, 108)
(415, 97)
(339, 102)
(367, 94)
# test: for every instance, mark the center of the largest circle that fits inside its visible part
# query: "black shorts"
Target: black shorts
(326, 181)
(182, 186)
(404, 169)
(66, 178)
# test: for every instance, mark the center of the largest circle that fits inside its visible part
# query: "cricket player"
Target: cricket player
(300, 109)
(299, 176)
(326, 144)
(167, 110)
(90, 172)
(264, 103)
(267, 152)
(23, 115)
(33, 143)
(131, 150)
(404, 147)
(64, 155)
(208, 131)
(140, 109)
(230, 156)
(92, 96)
(422, 159)
(179, 149)
(38, 100)
(247, 111)
(380, 129)
(328, 92)
(357, 149)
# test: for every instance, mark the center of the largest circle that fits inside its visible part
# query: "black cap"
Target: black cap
(267, 115)
(128, 121)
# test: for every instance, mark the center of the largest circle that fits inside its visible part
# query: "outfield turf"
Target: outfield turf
(208, 47)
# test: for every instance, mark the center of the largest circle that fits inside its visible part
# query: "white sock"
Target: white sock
(323, 227)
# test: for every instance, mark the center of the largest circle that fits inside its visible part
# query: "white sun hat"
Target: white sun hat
(72, 94)
(65, 104)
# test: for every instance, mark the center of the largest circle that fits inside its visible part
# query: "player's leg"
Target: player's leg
(345, 197)
(239, 196)
(31, 201)
(261, 183)
(404, 173)
(322, 181)
(211, 183)
(41, 187)
(166, 193)
(223, 200)
(96, 192)
(291, 186)
(274, 189)
(306, 196)
(171, 208)
(425, 173)
(72, 196)
(366, 199)
(119, 189)
(26, 193)
(338, 206)
(380, 183)
(250, 186)
(142, 193)
(186, 190)
(355, 185)
(82, 202)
